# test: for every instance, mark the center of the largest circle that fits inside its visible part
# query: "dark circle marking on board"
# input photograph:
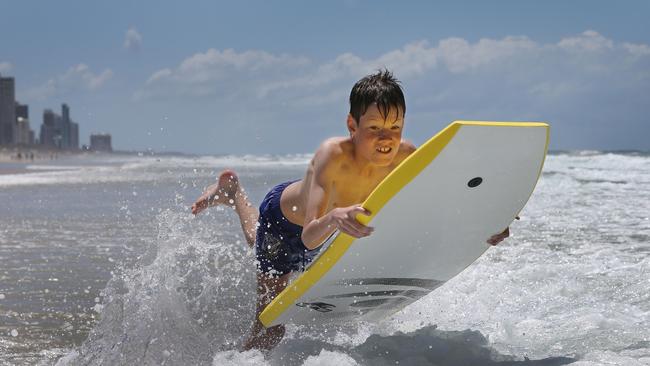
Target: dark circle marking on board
(474, 182)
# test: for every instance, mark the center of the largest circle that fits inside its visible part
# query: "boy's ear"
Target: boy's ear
(352, 124)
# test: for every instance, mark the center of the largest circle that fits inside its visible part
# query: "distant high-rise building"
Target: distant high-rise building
(47, 128)
(22, 131)
(58, 130)
(7, 110)
(24, 135)
(22, 110)
(65, 112)
(101, 142)
(74, 135)
(65, 126)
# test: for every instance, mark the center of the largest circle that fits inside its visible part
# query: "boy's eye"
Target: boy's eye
(374, 128)
(395, 128)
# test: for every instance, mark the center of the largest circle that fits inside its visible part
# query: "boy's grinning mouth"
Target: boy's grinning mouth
(384, 150)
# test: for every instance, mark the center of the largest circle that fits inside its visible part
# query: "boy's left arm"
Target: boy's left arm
(498, 238)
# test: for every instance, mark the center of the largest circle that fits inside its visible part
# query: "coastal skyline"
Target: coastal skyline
(252, 78)
(57, 132)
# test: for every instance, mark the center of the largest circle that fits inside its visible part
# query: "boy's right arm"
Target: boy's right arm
(319, 224)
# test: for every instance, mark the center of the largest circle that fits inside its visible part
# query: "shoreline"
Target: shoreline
(33, 154)
(15, 160)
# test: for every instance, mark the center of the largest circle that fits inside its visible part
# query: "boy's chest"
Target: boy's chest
(352, 190)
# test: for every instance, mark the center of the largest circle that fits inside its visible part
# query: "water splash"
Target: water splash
(189, 298)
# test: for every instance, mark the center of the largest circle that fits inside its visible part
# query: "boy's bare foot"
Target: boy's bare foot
(223, 192)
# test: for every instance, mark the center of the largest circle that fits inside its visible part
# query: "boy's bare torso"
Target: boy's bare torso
(347, 183)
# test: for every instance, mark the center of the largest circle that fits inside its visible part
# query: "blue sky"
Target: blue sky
(253, 77)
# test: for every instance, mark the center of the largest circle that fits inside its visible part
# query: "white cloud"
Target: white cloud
(588, 41)
(159, 75)
(246, 101)
(265, 74)
(78, 77)
(637, 49)
(132, 39)
(217, 72)
(580, 80)
(5, 67)
(414, 60)
(571, 67)
(458, 55)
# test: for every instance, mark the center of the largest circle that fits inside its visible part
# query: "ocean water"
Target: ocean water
(101, 263)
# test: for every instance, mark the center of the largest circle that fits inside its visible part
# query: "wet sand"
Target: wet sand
(16, 161)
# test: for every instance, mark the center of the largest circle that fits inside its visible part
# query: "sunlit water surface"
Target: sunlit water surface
(102, 264)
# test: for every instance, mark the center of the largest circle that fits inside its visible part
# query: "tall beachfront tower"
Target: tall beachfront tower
(7, 110)
(47, 128)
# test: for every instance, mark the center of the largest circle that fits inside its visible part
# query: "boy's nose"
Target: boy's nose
(383, 134)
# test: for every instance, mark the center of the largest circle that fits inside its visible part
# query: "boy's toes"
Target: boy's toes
(200, 204)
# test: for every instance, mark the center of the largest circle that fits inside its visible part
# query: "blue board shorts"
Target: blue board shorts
(278, 245)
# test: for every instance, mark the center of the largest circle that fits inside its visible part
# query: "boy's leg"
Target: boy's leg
(228, 191)
(268, 287)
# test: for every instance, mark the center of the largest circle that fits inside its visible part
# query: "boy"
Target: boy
(296, 217)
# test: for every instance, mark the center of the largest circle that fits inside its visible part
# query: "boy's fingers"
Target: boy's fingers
(362, 232)
(364, 211)
(356, 229)
(366, 230)
(350, 230)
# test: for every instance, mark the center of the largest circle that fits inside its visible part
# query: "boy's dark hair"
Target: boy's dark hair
(381, 88)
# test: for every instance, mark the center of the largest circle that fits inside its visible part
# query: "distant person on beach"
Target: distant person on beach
(296, 217)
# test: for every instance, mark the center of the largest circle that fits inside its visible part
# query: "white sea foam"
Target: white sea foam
(235, 358)
(326, 358)
(144, 169)
(53, 167)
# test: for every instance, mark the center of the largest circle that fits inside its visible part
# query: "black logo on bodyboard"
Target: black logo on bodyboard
(321, 307)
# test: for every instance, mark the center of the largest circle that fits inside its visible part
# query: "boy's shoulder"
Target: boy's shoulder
(333, 150)
(335, 147)
(406, 148)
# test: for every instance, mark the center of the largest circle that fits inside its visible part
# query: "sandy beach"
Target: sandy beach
(15, 160)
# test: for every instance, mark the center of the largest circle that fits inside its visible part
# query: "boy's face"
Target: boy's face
(377, 138)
